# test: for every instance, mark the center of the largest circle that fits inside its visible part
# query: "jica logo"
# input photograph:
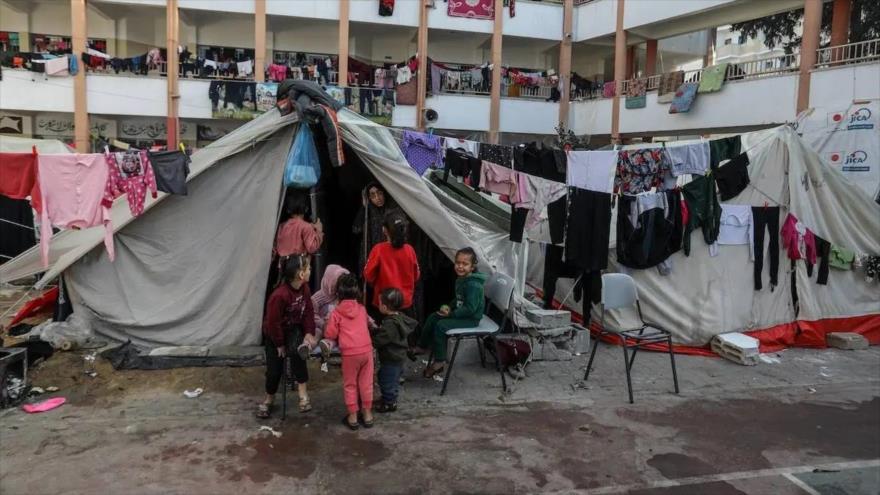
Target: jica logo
(860, 119)
(856, 157)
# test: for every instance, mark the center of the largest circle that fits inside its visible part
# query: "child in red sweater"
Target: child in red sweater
(393, 263)
(348, 325)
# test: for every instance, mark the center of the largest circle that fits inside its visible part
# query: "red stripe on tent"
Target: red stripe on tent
(799, 333)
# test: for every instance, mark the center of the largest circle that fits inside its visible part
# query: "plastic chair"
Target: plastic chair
(619, 291)
(499, 292)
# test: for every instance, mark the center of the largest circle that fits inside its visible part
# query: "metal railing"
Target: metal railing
(463, 87)
(851, 53)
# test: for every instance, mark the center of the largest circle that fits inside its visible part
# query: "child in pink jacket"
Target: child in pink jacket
(347, 325)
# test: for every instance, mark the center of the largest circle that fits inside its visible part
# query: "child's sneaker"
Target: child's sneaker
(303, 351)
(326, 349)
(385, 407)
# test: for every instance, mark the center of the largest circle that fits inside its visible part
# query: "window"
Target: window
(728, 41)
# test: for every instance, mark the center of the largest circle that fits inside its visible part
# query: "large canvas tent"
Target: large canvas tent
(192, 270)
(705, 296)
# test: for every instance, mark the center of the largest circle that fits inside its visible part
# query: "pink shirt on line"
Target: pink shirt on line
(130, 174)
(72, 187)
(296, 236)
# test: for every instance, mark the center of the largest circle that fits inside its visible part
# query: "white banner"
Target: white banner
(849, 140)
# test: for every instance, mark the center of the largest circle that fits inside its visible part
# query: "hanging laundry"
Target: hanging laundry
(841, 258)
(497, 179)
(474, 9)
(171, 169)
(72, 65)
(609, 89)
(130, 173)
(766, 218)
(511, 4)
(314, 106)
(871, 265)
(669, 84)
(723, 149)
(386, 8)
(404, 75)
(72, 186)
(592, 170)
(588, 230)
(422, 151)
(16, 228)
(19, 173)
(540, 193)
(636, 97)
(823, 253)
(649, 228)
(689, 158)
(472, 148)
(496, 153)
(277, 72)
(539, 162)
(736, 228)
(58, 67)
(684, 98)
(704, 211)
(557, 214)
(712, 78)
(732, 177)
(461, 164)
(640, 170)
(798, 240)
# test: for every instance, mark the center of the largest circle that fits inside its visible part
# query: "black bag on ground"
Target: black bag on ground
(511, 352)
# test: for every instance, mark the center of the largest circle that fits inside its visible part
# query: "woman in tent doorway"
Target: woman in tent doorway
(369, 221)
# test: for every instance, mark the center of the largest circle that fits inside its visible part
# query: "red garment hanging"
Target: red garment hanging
(19, 172)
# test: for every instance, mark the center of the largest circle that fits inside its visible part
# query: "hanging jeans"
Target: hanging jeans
(766, 216)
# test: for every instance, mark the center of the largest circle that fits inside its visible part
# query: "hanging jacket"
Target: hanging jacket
(656, 233)
(315, 106)
(704, 211)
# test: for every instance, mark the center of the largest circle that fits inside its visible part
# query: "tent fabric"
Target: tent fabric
(188, 269)
(193, 271)
(705, 296)
(12, 144)
(68, 246)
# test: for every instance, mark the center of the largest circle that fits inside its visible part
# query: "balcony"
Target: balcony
(757, 93)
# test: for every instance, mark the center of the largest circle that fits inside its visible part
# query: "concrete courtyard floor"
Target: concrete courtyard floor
(805, 425)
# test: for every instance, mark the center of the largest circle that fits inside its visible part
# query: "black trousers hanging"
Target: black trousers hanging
(766, 217)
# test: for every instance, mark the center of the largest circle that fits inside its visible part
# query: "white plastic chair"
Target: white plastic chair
(498, 292)
(619, 291)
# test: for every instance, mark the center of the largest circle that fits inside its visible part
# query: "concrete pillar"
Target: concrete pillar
(651, 58)
(565, 61)
(495, 101)
(260, 40)
(422, 54)
(79, 38)
(342, 75)
(840, 26)
(711, 38)
(172, 20)
(619, 72)
(809, 45)
(630, 62)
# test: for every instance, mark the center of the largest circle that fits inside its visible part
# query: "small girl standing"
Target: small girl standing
(348, 325)
(288, 320)
(393, 263)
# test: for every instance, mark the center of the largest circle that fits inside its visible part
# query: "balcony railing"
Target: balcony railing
(851, 53)
(463, 87)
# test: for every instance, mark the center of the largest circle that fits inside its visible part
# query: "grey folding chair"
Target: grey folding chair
(499, 292)
(619, 291)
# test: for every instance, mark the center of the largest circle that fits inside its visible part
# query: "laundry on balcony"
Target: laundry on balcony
(669, 83)
(636, 95)
(712, 78)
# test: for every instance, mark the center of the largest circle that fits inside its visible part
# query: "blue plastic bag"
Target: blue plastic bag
(303, 168)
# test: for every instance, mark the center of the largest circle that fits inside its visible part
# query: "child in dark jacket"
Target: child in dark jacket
(465, 311)
(347, 324)
(391, 345)
(289, 319)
